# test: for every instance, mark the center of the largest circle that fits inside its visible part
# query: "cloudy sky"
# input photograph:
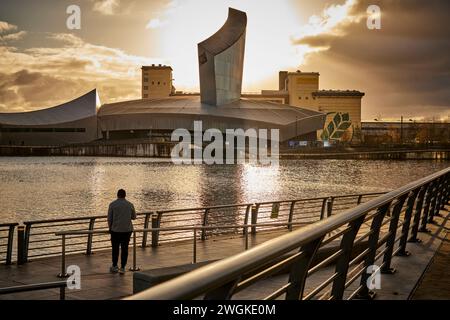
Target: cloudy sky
(404, 68)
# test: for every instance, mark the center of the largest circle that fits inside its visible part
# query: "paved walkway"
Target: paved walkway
(435, 283)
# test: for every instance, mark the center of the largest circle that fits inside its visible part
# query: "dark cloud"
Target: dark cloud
(404, 67)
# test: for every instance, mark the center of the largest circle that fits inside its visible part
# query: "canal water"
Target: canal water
(50, 187)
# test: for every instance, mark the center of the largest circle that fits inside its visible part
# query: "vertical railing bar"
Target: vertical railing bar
(26, 242)
(417, 213)
(10, 244)
(324, 206)
(146, 223)
(63, 273)
(426, 209)
(194, 254)
(299, 269)
(407, 221)
(205, 223)
(247, 212)
(372, 244)
(134, 268)
(291, 215)
(90, 237)
(342, 264)
(392, 235)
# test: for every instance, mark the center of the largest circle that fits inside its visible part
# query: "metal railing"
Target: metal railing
(193, 230)
(36, 287)
(387, 223)
(37, 239)
(6, 242)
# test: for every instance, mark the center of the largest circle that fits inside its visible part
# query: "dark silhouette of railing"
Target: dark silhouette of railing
(386, 223)
(37, 239)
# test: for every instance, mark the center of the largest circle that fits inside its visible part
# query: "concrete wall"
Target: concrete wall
(300, 86)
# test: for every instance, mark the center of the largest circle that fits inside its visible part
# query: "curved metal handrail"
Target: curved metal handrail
(222, 272)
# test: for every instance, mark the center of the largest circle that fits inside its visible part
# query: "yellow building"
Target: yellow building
(156, 81)
(343, 107)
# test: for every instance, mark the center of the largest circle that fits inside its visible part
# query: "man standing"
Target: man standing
(120, 214)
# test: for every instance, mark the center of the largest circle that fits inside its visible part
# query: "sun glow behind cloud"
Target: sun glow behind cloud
(271, 28)
(183, 24)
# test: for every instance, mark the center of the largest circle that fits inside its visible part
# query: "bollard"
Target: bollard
(21, 245)
(134, 267)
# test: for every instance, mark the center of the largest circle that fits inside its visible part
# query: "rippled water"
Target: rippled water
(48, 187)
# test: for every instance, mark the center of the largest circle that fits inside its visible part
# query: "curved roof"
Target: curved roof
(79, 108)
(243, 109)
(181, 112)
(228, 34)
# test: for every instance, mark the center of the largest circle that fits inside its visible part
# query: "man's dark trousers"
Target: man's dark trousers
(120, 239)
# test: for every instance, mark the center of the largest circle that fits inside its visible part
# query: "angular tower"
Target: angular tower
(221, 61)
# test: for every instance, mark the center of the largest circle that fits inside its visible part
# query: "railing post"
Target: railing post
(21, 245)
(205, 223)
(247, 213)
(439, 198)
(254, 217)
(90, 236)
(134, 268)
(291, 215)
(418, 211)
(246, 237)
(426, 208)
(372, 245)
(10, 244)
(146, 224)
(62, 293)
(392, 234)
(337, 291)
(194, 246)
(26, 242)
(407, 222)
(434, 199)
(359, 199)
(299, 270)
(330, 202)
(63, 273)
(156, 222)
(324, 207)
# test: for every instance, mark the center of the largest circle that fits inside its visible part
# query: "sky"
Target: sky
(403, 68)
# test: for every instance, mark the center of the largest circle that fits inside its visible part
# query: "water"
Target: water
(50, 187)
